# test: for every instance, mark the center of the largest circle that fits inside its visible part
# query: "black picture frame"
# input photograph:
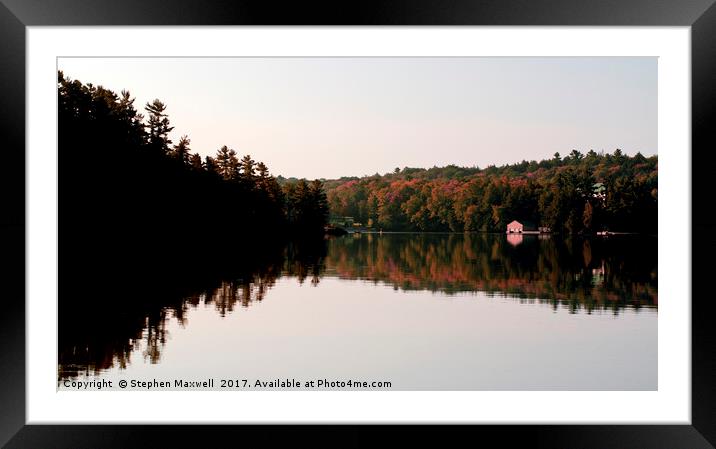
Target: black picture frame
(16, 15)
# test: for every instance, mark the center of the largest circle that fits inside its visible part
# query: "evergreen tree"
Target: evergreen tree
(263, 180)
(247, 172)
(195, 162)
(158, 126)
(181, 150)
(211, 166)
(227, 164)
(319, 203)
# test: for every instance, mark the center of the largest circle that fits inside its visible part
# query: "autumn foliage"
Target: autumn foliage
(575, 194)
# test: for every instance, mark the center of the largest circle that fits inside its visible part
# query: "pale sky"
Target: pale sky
(332, 117)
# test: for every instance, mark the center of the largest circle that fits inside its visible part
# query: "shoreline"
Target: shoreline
(537, 233)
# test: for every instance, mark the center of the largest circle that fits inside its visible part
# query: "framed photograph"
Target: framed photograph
(235, 215)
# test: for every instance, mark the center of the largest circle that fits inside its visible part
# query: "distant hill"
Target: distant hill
(577, 193)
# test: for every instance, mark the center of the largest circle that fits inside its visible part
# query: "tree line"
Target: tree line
(124, 184)
(578, 193)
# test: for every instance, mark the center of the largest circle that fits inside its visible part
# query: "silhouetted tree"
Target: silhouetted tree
(181, 151)
(246, 167)
(129, 190)
(158, 126)
(195, 162)
(319, 203)
(227, 164)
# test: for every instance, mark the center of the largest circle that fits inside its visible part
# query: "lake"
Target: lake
(411, 311)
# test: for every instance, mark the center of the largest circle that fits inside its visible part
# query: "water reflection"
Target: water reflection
(585, 273)
(102, 324)
(514, 239)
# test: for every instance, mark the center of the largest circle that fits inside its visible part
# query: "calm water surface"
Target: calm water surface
(422, 311)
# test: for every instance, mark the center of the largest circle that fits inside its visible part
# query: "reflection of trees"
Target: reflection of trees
(102, 323)
(98, 333)
(229, 293)
(579, 272)
(304, 260)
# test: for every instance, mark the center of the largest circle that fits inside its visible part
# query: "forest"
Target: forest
(575, 194)
(123, 176)
(126, 187)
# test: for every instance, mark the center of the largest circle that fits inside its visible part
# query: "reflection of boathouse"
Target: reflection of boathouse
(514, 238)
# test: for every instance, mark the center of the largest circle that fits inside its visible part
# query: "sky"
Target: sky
(333, 117)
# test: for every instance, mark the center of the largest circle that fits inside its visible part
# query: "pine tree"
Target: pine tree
(246, 166)
(158, 126)
(227, 163)
(263, 177)
(181, 150)
(211, 166)
(319, 203)
(195, 162)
